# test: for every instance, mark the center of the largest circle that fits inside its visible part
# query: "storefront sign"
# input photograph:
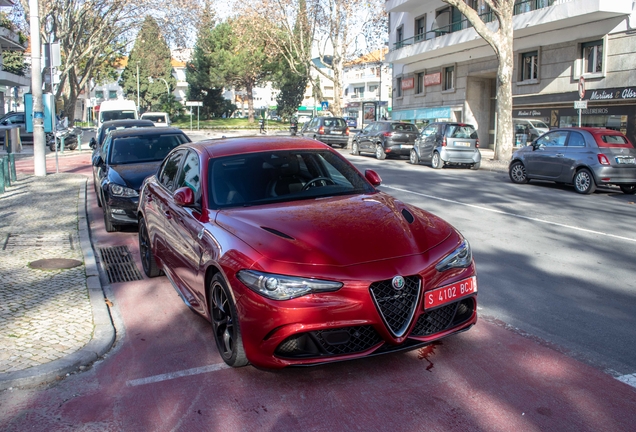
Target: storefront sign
(408, 83)
(528, 113)
(614, 94)
(432, 79)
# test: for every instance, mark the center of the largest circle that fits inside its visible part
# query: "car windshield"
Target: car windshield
(117, 115)
(538, 124)
(143, 148)
(405, 127)
(614, 141)
(280, 176)
(462, 131)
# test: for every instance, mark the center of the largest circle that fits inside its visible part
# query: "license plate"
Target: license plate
(450, 293)
(462, 144)
(335, 132)
(406, 146)
(625, 160)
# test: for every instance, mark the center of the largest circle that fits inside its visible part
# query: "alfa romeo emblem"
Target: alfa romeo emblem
(398, 283)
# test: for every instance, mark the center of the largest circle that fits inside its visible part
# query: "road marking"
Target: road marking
(628, 379)
(178, 374)
(513, 214)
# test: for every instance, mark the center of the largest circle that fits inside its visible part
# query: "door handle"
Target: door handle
(559, 155)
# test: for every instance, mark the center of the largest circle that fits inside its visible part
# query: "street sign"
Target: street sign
(580, 104)
(582, 87)
(324, 105)
(194, 103)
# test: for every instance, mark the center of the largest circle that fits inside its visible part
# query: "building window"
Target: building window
(419, 86)
(358, 92)
(373, 88)
(112, 94)
(399, 36)
(592, 54)
(99, 94)
(399, 87)
(449, 78)
(420, 28)
(530, 66)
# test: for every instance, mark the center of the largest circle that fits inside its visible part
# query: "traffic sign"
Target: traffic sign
(325, 105)
(582, 87)
(194, 103)
(580, 104)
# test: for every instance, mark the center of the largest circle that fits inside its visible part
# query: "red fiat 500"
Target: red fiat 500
(296, 258)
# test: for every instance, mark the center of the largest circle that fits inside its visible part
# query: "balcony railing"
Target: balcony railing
(519, 8)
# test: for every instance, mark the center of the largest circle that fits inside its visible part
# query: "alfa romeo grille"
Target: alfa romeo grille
(434, 321)
(396, 307)
(323, 343)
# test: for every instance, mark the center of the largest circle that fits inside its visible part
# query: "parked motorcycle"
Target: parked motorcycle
(70, 139)
(293, 127)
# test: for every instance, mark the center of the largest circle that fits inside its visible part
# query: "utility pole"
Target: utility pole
(137, 87)
(39, 149)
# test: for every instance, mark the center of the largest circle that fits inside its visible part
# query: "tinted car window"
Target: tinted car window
(190, 175)
(430, 130)
(407, 127)
(169, 169)
(144, 148)
(117, 115)
(461, 131)
(613, 140)
(335, 122)
(553, 139)
(576, 140)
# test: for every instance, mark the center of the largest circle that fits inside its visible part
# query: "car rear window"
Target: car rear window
(462, 131)
(336, 122)
(144, 148)
(406, 127)
(612, 140)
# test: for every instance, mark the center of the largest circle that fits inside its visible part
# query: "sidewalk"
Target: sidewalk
(53, 320)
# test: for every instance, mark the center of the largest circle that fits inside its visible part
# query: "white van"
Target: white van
(120, 109)
(160, 119)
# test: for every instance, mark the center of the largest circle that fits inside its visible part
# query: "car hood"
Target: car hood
(338, 231)
(132, 175)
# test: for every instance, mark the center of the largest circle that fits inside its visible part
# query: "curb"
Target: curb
(104, 330)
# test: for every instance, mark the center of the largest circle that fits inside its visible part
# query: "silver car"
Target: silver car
(584, 157)
(447, 143)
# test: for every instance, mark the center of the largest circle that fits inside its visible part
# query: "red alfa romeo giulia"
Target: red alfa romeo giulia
(296, 258)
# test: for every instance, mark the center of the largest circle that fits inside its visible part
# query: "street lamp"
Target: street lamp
(137, 87)
(151, 80)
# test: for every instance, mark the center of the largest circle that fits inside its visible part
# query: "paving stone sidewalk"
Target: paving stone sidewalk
(51, 321)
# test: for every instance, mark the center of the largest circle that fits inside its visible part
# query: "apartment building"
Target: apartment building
(10, 83)
(443, 70)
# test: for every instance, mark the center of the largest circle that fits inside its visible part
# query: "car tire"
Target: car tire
(628, 189)
(145, 251)
(414, 158)
(108, 224)
(99, 198)
(72, 146)
(355, 148)
(379, 152)
(225, 323)
(517, 173)
(436, 161)
(52, 146)
(475, 166)
(584, 182)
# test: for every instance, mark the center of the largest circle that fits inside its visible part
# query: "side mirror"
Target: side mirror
(98, 161)
(92, 143)
(373, 177)
(183, 197)
(5, 122)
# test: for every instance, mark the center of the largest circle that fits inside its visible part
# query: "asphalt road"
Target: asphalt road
(551, 262)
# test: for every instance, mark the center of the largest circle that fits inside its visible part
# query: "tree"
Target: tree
(500, 39)
(152, 54)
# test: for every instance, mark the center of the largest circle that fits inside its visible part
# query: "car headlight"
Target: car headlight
(122, 191)
(459, 258)
(281, 287)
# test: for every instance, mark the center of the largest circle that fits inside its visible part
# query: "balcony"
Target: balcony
(536, 23)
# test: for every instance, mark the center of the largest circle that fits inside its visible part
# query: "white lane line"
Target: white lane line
(501, 212)
(628, 379)
(178, 374)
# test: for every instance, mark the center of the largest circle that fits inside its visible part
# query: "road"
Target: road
(165, 374)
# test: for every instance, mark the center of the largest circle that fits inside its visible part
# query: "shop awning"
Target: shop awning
(421, 113)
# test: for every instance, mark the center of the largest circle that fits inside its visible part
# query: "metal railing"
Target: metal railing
(519, 8)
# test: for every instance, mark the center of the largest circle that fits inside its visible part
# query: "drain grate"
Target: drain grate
(119, 264)
(39, 241)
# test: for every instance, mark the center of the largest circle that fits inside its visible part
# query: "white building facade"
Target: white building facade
(443, 70)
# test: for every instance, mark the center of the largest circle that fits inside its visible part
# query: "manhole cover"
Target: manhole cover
(119, 264)
(55, 264)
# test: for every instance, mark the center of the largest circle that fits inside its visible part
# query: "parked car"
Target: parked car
(96, 142)
(329, 130)
(16, 119)
(532, 128)
(584, 157)
(447, 143)
(352, 122)
(274, 240)
(160, 119)
(125, 159)
(384, 138)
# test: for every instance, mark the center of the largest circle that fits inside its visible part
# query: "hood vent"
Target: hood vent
(278, 233)
(408, 216)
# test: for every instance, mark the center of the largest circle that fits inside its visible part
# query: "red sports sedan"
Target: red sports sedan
(296, 258)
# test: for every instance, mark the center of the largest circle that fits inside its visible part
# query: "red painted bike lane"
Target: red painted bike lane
(165, 374)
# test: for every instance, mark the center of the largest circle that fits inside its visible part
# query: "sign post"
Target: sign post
(581, 103)
(196, 104)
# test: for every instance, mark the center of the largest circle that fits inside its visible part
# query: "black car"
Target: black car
(124, 160)
(108, 126)
(329, 130)
(384, 138)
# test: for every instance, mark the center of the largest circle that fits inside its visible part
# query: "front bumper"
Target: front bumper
(123, 210)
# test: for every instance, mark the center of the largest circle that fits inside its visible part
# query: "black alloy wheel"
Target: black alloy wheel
(225, 323)
(436, 161)
(414, 158)
(517, 173)
(145, 251)
(584, 182)
(355, 148)
(379, 152)
(628, 189)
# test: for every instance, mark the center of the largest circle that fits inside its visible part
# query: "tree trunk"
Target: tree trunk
(505, 137)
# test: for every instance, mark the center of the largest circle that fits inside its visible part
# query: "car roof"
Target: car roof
(244, 145)
(594, 130)
(155, 113)
(127, 122)
(145, 131)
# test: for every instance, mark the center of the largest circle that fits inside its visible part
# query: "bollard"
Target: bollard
(14, 176)
(62, 145)
(1, 175)
(7, 174)
(79, 140)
